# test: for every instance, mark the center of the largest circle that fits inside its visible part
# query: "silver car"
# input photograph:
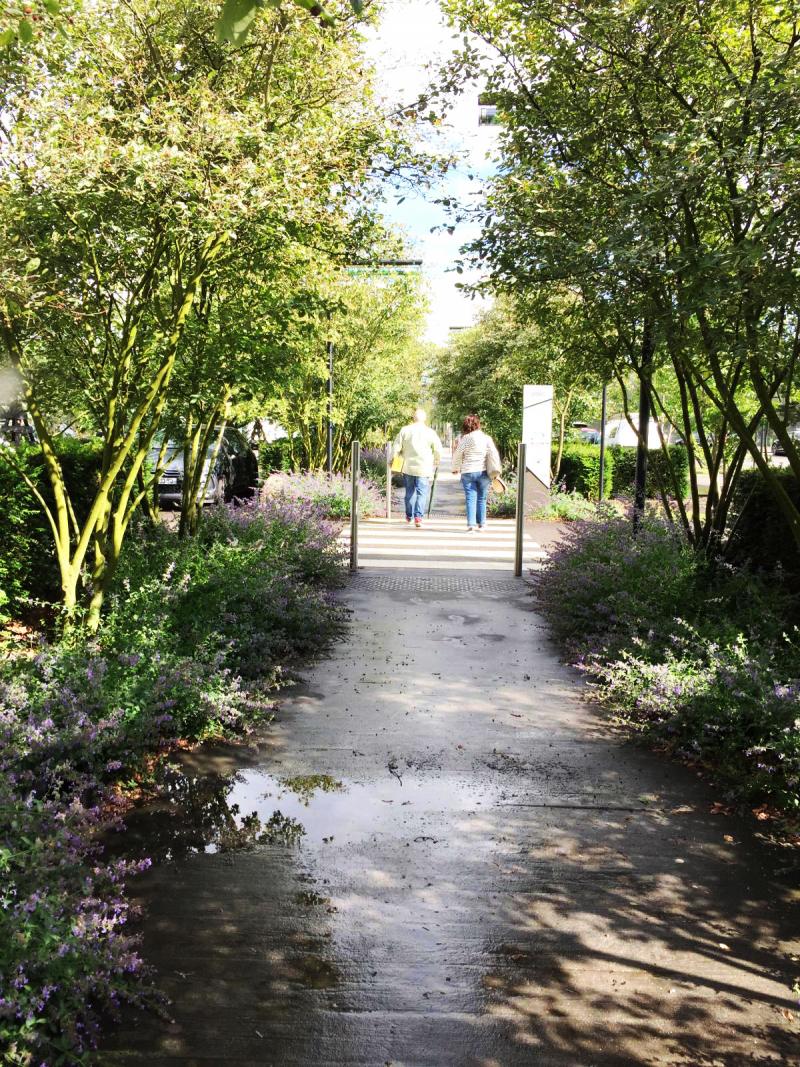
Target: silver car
(235, 473)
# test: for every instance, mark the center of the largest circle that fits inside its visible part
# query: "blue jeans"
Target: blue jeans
(416, 495)
(476, 489)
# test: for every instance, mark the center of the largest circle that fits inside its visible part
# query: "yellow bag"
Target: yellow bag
(397, 463)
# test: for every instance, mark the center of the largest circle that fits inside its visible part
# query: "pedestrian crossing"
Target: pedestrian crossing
(441, 543)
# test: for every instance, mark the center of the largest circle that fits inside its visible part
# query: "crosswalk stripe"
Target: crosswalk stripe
(440, 543)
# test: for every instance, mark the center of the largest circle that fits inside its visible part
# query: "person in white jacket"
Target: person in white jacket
(420, 450)
(478, 460)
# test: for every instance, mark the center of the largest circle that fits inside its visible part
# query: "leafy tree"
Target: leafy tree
(375, 322)
(648, 155)
(237, 16)
(485, 367)
(151, 154)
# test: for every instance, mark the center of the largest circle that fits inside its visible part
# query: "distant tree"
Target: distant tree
(484, 368)
(375, 321)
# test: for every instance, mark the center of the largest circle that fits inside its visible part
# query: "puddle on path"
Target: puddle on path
(207, 813)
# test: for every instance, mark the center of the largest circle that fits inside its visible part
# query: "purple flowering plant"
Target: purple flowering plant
(683, 648)
(197, 635)
(328, 495)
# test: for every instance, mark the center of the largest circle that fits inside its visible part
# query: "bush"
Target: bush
(503, 505)
(690, 651)
(274, 456)
(22, 552)
(760, 535)
(65, 956)
(373, 466)
(328, 496)
(623, 466)
(566, 507)
(580, 470)
(28, 565)
(85, 721)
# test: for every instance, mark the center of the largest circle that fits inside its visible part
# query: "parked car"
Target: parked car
(620, 432)
(589, 436)
(235, 473)
(779, 449)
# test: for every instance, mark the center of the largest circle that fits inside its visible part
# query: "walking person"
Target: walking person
(420, 450)
(478, 460)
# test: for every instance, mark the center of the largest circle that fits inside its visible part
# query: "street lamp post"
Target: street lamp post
(330, 350)
(601, 492)
(329, 446)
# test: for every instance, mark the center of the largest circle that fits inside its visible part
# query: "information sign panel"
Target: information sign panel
(537, 430)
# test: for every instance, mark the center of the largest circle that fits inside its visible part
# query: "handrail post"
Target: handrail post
(389, 481)
(602, 487)
(355, 472)
(522, 450)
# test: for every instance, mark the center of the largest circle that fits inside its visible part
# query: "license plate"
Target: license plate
(168, 481)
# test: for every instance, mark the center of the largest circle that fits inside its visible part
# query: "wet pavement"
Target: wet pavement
(468, 868)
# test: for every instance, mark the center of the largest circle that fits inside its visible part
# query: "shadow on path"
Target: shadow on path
(488, 875)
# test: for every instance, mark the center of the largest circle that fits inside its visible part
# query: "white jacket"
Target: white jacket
(420, 448)
(476, 452)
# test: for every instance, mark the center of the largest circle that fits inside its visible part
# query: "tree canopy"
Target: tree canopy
(648, 156)
(171, 207)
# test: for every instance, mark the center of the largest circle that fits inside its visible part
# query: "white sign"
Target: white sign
(537, 429)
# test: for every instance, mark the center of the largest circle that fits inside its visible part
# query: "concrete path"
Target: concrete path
(489, 876)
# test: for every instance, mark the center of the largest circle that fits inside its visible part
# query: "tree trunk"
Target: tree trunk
(645, 373)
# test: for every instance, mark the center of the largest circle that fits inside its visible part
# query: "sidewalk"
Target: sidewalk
(489, 877)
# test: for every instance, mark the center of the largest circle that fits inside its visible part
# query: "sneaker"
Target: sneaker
(418, 523)
(408, 519)
(480, 528)
(470, 529)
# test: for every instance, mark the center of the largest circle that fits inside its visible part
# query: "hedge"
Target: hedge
(274, 456)
(580, 469)
(623, 465)
(28, 565)
(758, 532)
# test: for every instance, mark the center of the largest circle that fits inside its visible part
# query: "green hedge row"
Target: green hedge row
(759, 534)
(658, 473)
(28, 566)
(274, 456)
(580, 470)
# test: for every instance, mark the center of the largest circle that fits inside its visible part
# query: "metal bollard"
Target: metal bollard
(389, 481)
(520, 517)
(355, 472)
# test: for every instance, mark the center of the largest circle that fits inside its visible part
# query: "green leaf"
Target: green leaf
(6, 37)
(52, 6)
(357, 6)
(235, 20)
(32, 265)
(25, 31)
(318, 11)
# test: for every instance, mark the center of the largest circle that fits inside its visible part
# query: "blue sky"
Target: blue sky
(411, 40)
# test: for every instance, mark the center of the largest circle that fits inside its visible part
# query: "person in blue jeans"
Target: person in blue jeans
(478, 460)
(416, 497)
(420, 449)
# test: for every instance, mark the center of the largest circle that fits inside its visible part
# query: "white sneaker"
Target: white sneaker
(470, 529)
